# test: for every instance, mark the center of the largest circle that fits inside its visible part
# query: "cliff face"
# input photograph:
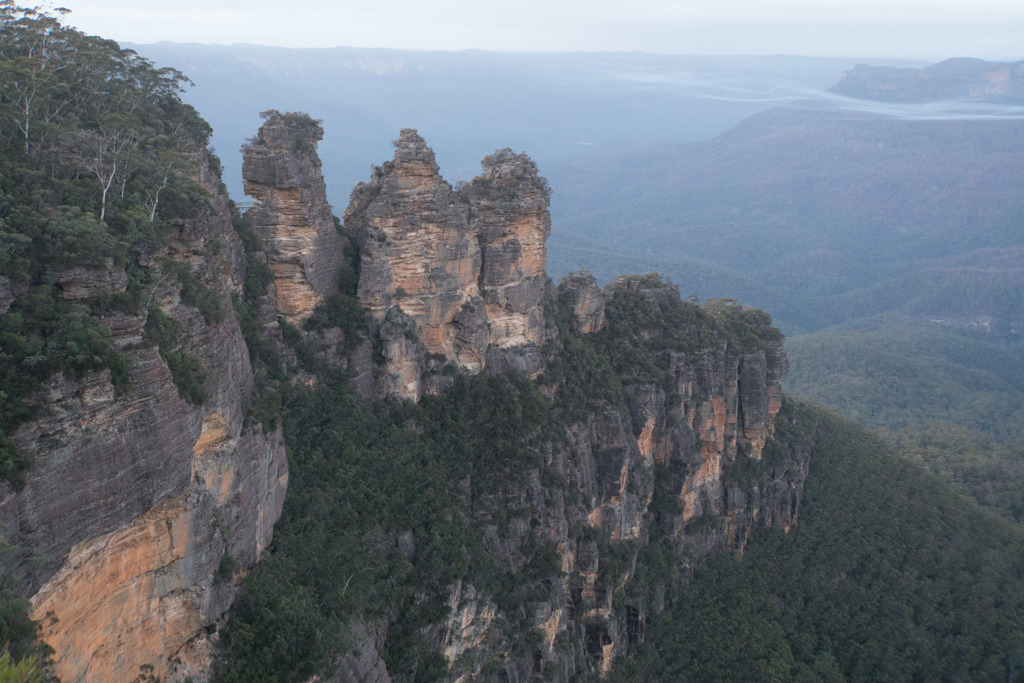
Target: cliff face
(953, 79)
(509, 208)
(281, 171)
(682, 461)
(447, 275)
(147, 509)
(637, 491)
(454, 282)
(153, 503)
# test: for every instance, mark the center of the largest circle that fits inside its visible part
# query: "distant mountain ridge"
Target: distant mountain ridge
(555, 105)
(954, 79)
(805, 211)
(903, 231)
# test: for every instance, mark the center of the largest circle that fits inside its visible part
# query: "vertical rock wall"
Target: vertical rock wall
(454, 273)
(146, 509)
(152, 509)
(695, 438)
(281, 171)
(457, 278)
(419, 267)
(509, 209)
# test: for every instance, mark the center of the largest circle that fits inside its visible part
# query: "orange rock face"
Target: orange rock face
(281, 171)
(509, 205)
(136, 499)
(468, 622)
(127, 601)
(462, 271)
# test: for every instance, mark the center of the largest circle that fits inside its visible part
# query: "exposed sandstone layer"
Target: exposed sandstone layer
(580, 293)
(465, 269)
(509, 209)
(469, 620)
(419, 266)
(137, 499)
(698, 440)
(80, 283)
(281, 170)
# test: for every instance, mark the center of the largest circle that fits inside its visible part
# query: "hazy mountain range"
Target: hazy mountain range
(467, 104)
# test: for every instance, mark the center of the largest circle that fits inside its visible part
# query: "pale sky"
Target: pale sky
(928, 29)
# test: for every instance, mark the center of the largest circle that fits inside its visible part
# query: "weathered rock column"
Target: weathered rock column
(466, 268)
(281, 170)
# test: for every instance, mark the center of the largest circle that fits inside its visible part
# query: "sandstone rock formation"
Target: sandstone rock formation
(696, 437)
(456, 280)
(173, 502)
(147, 510)
(509, 210)
(81, 283)
(281, 170)
(450, 274)
(581, 294)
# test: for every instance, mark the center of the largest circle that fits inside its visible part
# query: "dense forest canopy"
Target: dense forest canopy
(889, 576)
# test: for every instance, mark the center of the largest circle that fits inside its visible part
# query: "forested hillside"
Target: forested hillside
(890, 575)
(893, 372)
(134, 483)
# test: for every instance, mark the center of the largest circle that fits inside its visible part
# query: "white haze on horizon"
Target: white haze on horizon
(740, 90)
(929, 29)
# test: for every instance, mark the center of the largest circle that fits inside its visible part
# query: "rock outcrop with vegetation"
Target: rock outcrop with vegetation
(524, 506)
(137, 492)
(304, 251)
(451, 277)
(533, 517)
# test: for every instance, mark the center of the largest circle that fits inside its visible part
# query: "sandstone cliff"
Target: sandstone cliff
(953, 79)
(144, 510)
(452, 277)
(281, 171)
(673, 459)
(509, 207)
(683, 461)
(643, 485)
(149, 504)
